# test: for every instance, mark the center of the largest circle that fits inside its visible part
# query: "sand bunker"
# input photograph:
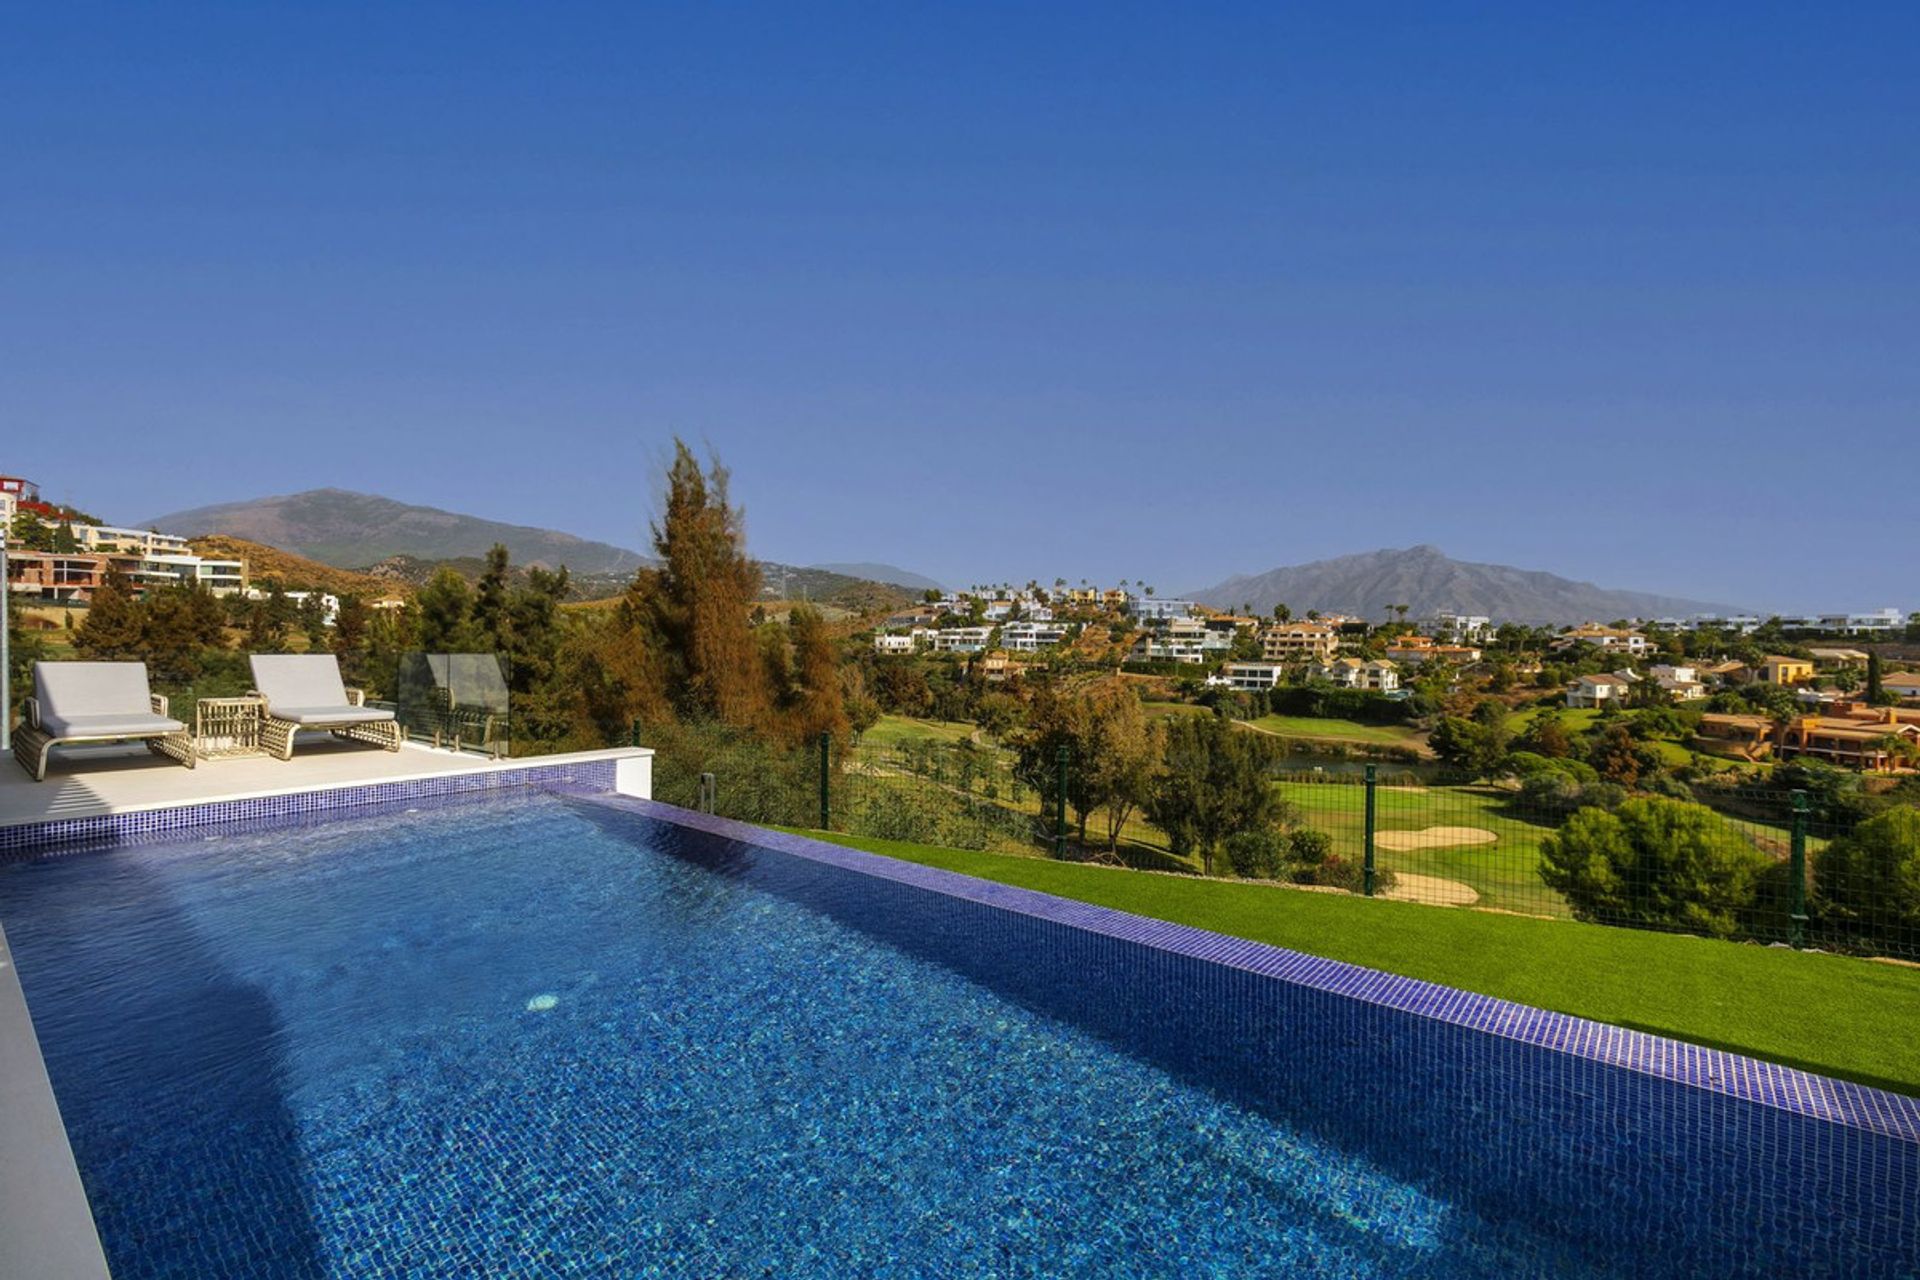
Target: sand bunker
(1432, 838)
(1408, 887)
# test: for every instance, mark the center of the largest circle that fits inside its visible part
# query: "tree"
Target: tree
(1867, 883)
(1212, 783)
(178, 625)
(1475, 746)
(24, 649)
(1281, 613)
(1617, 756)
(1655, 861)
(113, 627)
(813, 701)
(445, 607)
(312, 612)
(491, 629)
(691, 612)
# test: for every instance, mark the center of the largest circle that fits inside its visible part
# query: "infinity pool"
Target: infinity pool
(544, 1037)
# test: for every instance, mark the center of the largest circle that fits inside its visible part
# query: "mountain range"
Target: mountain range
(1428, 582)
(400, 543)
(353, 530)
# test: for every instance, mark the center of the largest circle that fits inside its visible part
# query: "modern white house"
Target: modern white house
(1606, 690)
(1881, 622)
(329, 603)
(1457, 628)
(1157, 647)
(1250, 677)
(1149, 609)
(1030, 637)
(962, 639)
(888, 643)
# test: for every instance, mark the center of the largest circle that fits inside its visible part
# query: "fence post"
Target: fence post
(826, 764)
(1797, 869)
(1367, 851)
(1060, 806)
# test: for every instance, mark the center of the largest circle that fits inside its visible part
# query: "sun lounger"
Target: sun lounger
(304, 691)
(95, 702)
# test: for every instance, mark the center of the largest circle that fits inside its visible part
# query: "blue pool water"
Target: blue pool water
(532, 1038)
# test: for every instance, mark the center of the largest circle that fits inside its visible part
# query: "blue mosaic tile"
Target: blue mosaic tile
(551, 1032)
(36, 838)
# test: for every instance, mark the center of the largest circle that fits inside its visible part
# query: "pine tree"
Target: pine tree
(692, 612)
(113, 627)
(815, 701)
(491, 630)
(446, 614)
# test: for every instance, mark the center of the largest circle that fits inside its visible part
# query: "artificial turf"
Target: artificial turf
(1855, 1019)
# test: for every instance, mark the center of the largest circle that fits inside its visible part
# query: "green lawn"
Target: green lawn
(1841, 1017)
(1391, 735)
(1504, 872)
(893, 731)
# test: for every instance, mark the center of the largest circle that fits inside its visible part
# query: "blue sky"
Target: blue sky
(993, 292)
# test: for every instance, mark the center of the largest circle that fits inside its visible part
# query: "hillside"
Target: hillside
(891, 575)
(351, 530)
(297, 573)
(1428, 581)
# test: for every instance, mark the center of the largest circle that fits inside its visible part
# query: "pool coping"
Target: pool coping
(632, 775)
(1767, 1084)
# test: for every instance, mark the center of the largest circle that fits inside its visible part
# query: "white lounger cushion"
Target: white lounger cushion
(146, 725)
(305, 688)
(68, 689)
(342, 714)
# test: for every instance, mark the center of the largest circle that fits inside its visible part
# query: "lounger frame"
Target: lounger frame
(32, 744)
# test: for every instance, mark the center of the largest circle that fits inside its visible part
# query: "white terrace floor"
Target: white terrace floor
(84, 781)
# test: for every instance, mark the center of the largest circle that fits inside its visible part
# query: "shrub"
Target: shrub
(1867, 884)
(1655, 861)
(1257, 855)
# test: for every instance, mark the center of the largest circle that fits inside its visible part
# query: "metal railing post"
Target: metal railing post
(826, 763)
(1797, 870)
(6, 654)
(633, 734)
(1367, 851)
(1060, 804)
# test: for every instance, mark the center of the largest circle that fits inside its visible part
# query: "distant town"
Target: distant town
(1763, 688)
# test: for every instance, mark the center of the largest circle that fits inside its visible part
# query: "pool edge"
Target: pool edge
(1718, 1071)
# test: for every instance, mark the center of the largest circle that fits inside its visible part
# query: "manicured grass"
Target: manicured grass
(1505, 873)
(893, 731)
(1838, 1016)
(1392, 735)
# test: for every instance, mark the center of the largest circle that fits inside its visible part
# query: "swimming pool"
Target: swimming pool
(560, 1036)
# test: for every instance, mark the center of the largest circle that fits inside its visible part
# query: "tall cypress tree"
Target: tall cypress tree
(1874, 687)
(693, 611)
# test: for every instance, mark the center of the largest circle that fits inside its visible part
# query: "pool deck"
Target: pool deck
(46, 1227)
(86, 782)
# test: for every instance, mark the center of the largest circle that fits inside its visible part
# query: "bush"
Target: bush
(1557, 794)
(1257, 855)
(1659, 862)
(1867, 884)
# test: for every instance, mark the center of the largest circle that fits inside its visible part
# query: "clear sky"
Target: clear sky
(996, 291)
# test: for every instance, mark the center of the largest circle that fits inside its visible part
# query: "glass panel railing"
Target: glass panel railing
(455, 700)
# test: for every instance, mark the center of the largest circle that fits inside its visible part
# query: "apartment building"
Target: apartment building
(1299, 642)
(106, 539)
(1412, 651)
(1458, 628)
(1355, 673)
(1149, 610)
